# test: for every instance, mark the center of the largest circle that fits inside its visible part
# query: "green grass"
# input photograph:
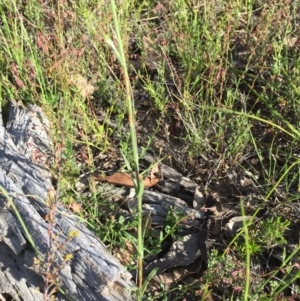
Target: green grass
(221, 79)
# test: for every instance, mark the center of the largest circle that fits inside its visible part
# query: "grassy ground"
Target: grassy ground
(216, 89)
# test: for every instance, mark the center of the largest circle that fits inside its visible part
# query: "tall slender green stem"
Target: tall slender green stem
(119, 52)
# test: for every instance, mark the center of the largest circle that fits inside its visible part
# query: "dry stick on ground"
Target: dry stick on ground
(93, 273)
(50, 275)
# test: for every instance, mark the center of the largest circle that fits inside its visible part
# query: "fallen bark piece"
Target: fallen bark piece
(93, 274)
(168, 187)
(172, 276)
(199, 199)
(182, 253)
(173, 182)
(235, 224)
(166, 202)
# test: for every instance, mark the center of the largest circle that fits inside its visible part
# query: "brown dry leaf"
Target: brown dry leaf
(120, 178)
(84, 87)
(15, 72)
(290, 41)
(58, 150)
(76, 207)
(124, 179)
(149, 183)
(124, 255)
(169, 278)
(42, 42)
(155, 172)
(158, 280)
(51, 194)
(51, 277)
